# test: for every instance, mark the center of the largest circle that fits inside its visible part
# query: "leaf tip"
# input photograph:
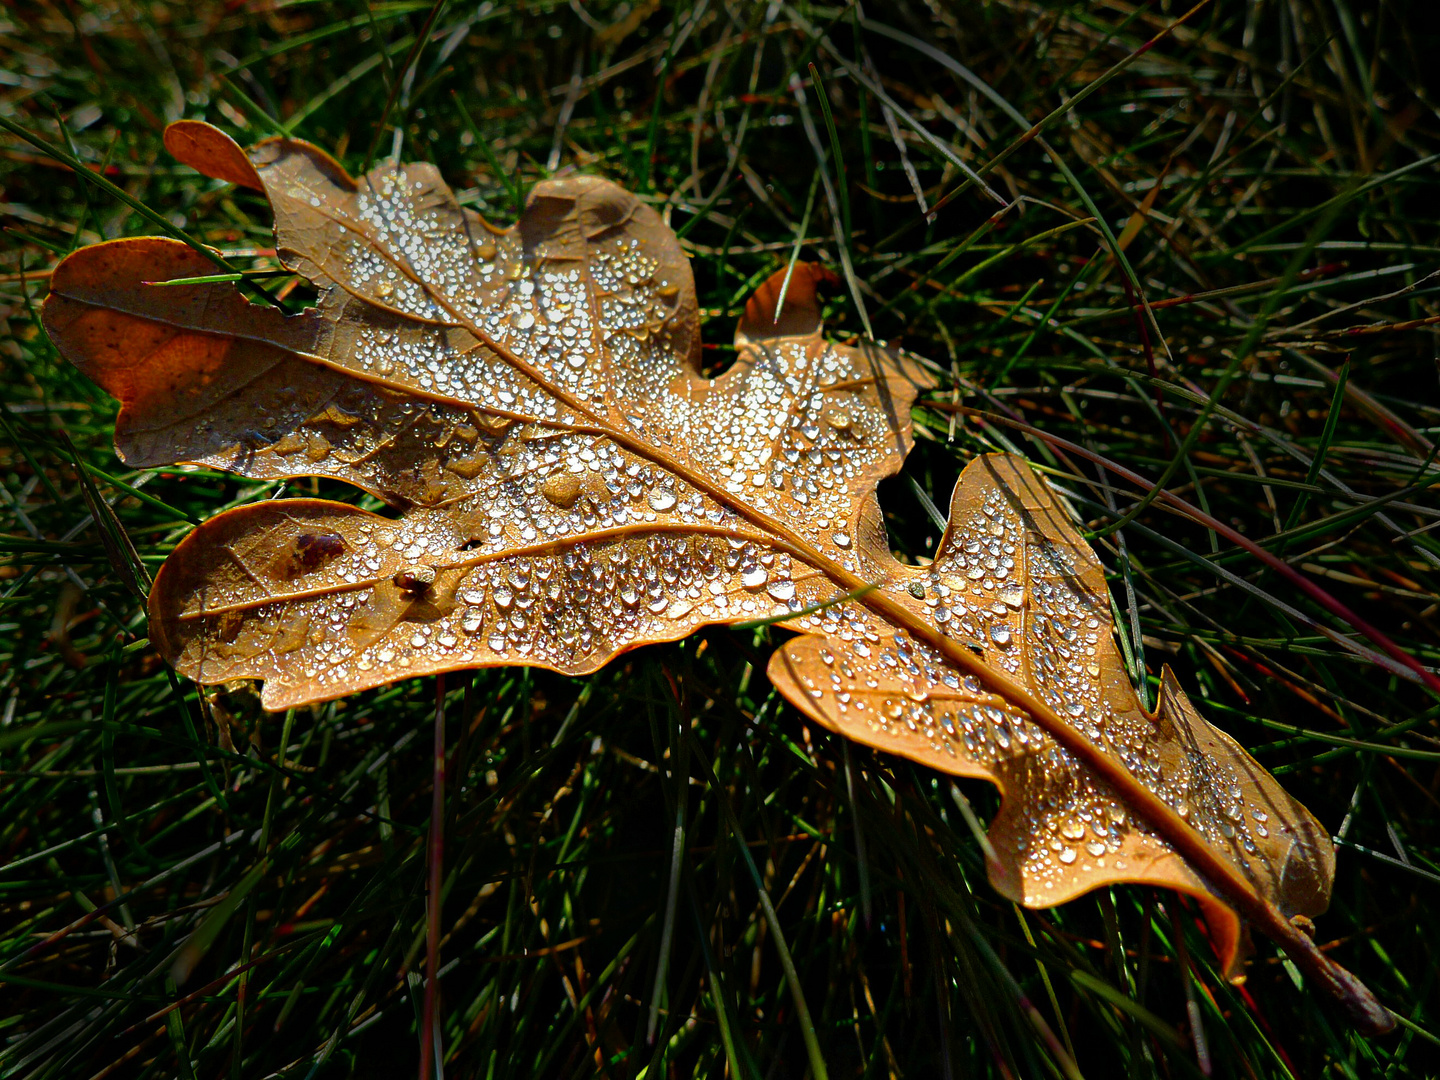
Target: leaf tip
(207, 149)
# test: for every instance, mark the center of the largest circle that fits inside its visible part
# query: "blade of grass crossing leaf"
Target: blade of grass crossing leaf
(854, 594)
(211, 279)
(772, 919)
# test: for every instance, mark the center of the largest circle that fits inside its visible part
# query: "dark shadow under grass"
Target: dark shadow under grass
(1259, 218)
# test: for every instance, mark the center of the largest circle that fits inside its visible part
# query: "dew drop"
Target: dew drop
(1000, 634)
(561, 489)
(662, 499)
(754, 577)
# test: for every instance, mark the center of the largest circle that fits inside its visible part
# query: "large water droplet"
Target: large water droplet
(754, 577)
(1067, 856)
(1000, 634)
(561, 489)
(781, 590)
(662, 500)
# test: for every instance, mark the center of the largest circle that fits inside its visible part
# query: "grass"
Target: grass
(1224, 245)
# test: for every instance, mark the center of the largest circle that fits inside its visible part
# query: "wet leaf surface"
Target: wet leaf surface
(566, 485)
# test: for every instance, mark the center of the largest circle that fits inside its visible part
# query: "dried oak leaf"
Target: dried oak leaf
(569, 485)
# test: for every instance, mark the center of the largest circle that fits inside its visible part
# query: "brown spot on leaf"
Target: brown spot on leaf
(308, 552)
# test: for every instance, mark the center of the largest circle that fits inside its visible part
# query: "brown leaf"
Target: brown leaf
(568, 485)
